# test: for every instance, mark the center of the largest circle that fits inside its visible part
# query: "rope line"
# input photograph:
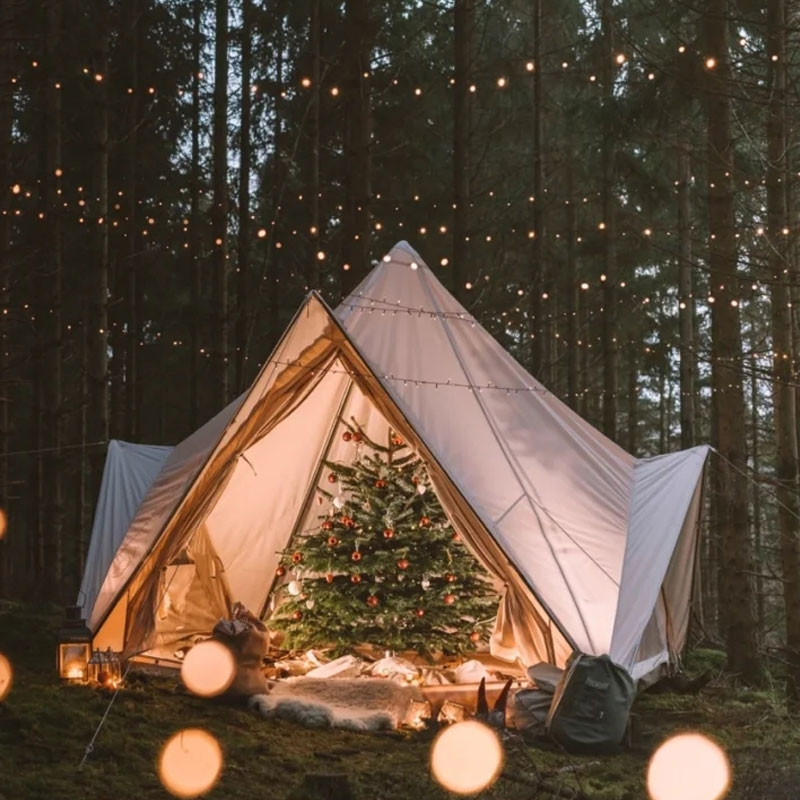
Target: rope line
(90, 746)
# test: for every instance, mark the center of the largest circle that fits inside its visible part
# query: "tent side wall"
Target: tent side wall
(129, 471)
(654, 594)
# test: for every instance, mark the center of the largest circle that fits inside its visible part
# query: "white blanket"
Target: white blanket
(358, 704)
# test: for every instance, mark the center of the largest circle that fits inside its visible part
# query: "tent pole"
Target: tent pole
(313, 483)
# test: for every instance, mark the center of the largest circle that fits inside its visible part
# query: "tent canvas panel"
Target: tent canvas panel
(662, 509)
(128, 473)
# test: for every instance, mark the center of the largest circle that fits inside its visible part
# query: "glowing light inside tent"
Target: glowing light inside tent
(208, 668)
(466, 757)
(688, 766)
(3, 524)
(6, 676)
(190, 763)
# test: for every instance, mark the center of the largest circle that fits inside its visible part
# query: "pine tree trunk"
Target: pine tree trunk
(462, 34)
(194, 238)
(219, 212)
(783, 391)
(357, 106)
(314, 121)
(51, 324)
(736, 559)
(583, 358)
(686, 302)
(243, 255)
(97, 322)
(7, 49)
(609, 327)
(132, 390)
(571, 294)
(633, 400)
(539, 328)
(83, 517)
(755, 456)
(662, 408)
(273, 270)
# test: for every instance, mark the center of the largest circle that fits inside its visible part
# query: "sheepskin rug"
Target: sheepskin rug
(356, 704)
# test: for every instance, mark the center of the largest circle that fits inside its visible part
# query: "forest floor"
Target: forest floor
(45, 726)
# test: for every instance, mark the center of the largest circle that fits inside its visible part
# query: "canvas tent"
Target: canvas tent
(594, 550)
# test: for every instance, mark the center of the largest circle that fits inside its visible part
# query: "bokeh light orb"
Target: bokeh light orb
(208, 669)
(688, 766)
(190, 763)
(3, 524)
(6, 676)
(466, 757)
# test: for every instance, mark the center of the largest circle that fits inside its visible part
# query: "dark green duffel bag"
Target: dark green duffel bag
(591, 705)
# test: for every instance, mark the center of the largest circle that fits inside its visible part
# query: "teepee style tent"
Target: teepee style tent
(594, 549)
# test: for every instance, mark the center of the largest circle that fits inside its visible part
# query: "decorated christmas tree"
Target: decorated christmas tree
(383, 566)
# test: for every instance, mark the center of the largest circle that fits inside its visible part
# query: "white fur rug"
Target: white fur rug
(356, 704)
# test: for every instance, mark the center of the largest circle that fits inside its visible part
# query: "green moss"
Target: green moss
(44, 728)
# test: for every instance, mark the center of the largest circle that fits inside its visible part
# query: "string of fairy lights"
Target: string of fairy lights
(483, 81)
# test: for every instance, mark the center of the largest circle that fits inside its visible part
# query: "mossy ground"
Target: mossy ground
(45, 726)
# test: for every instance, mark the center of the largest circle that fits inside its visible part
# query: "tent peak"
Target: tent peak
(401, 251)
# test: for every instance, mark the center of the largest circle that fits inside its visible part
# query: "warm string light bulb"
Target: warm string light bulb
(688, 766)
(466, 757)
(6, 677)
(190, 763)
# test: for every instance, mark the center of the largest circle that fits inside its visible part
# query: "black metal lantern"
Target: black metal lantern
(74, 647)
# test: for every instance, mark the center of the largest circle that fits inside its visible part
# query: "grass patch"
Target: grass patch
(45, 726)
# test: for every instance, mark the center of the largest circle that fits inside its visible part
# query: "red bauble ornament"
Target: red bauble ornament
(347, 521)
(475, 637)
(329, 577)
(420, 612)
(357, 436)
(415, 480)
(280, 572)
(332, 478)
(403, 563)
(424, 522)
(372, 601)
(380, 484)
(356, 556)
(355, 579)
(456, 537)
(297, 615)
(449, 599)
(332, 541)
(347, 436)
(327, 525)
(450, 578)
(297, 557)
(397, 440)
(388, 534)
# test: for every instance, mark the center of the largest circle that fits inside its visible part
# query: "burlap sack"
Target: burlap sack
(249, 648)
